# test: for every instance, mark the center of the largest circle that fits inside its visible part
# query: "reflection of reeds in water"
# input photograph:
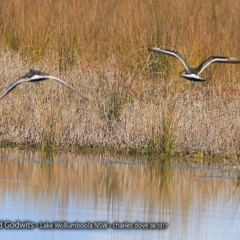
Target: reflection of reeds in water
(124, 182)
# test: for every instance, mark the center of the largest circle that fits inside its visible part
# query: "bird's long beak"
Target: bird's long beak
(182, 71)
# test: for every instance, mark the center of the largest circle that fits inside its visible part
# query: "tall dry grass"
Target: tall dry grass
(137, 102)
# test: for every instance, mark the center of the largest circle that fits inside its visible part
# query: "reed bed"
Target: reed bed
(137, 103)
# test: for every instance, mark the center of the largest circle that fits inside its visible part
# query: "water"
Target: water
(196, 201)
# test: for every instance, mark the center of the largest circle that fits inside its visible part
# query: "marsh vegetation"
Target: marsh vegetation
(137, 102)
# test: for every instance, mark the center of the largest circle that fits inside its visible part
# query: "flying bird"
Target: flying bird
(192, 74)
(35, 76)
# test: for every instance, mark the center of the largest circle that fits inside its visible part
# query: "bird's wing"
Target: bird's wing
(216, 59)
(62, 82)
(171, 53)
(12, 86)
(55, 78)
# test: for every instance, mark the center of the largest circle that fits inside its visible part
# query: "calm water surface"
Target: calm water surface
(195, 200)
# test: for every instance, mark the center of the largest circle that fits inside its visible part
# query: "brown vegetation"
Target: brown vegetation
(137, 102)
